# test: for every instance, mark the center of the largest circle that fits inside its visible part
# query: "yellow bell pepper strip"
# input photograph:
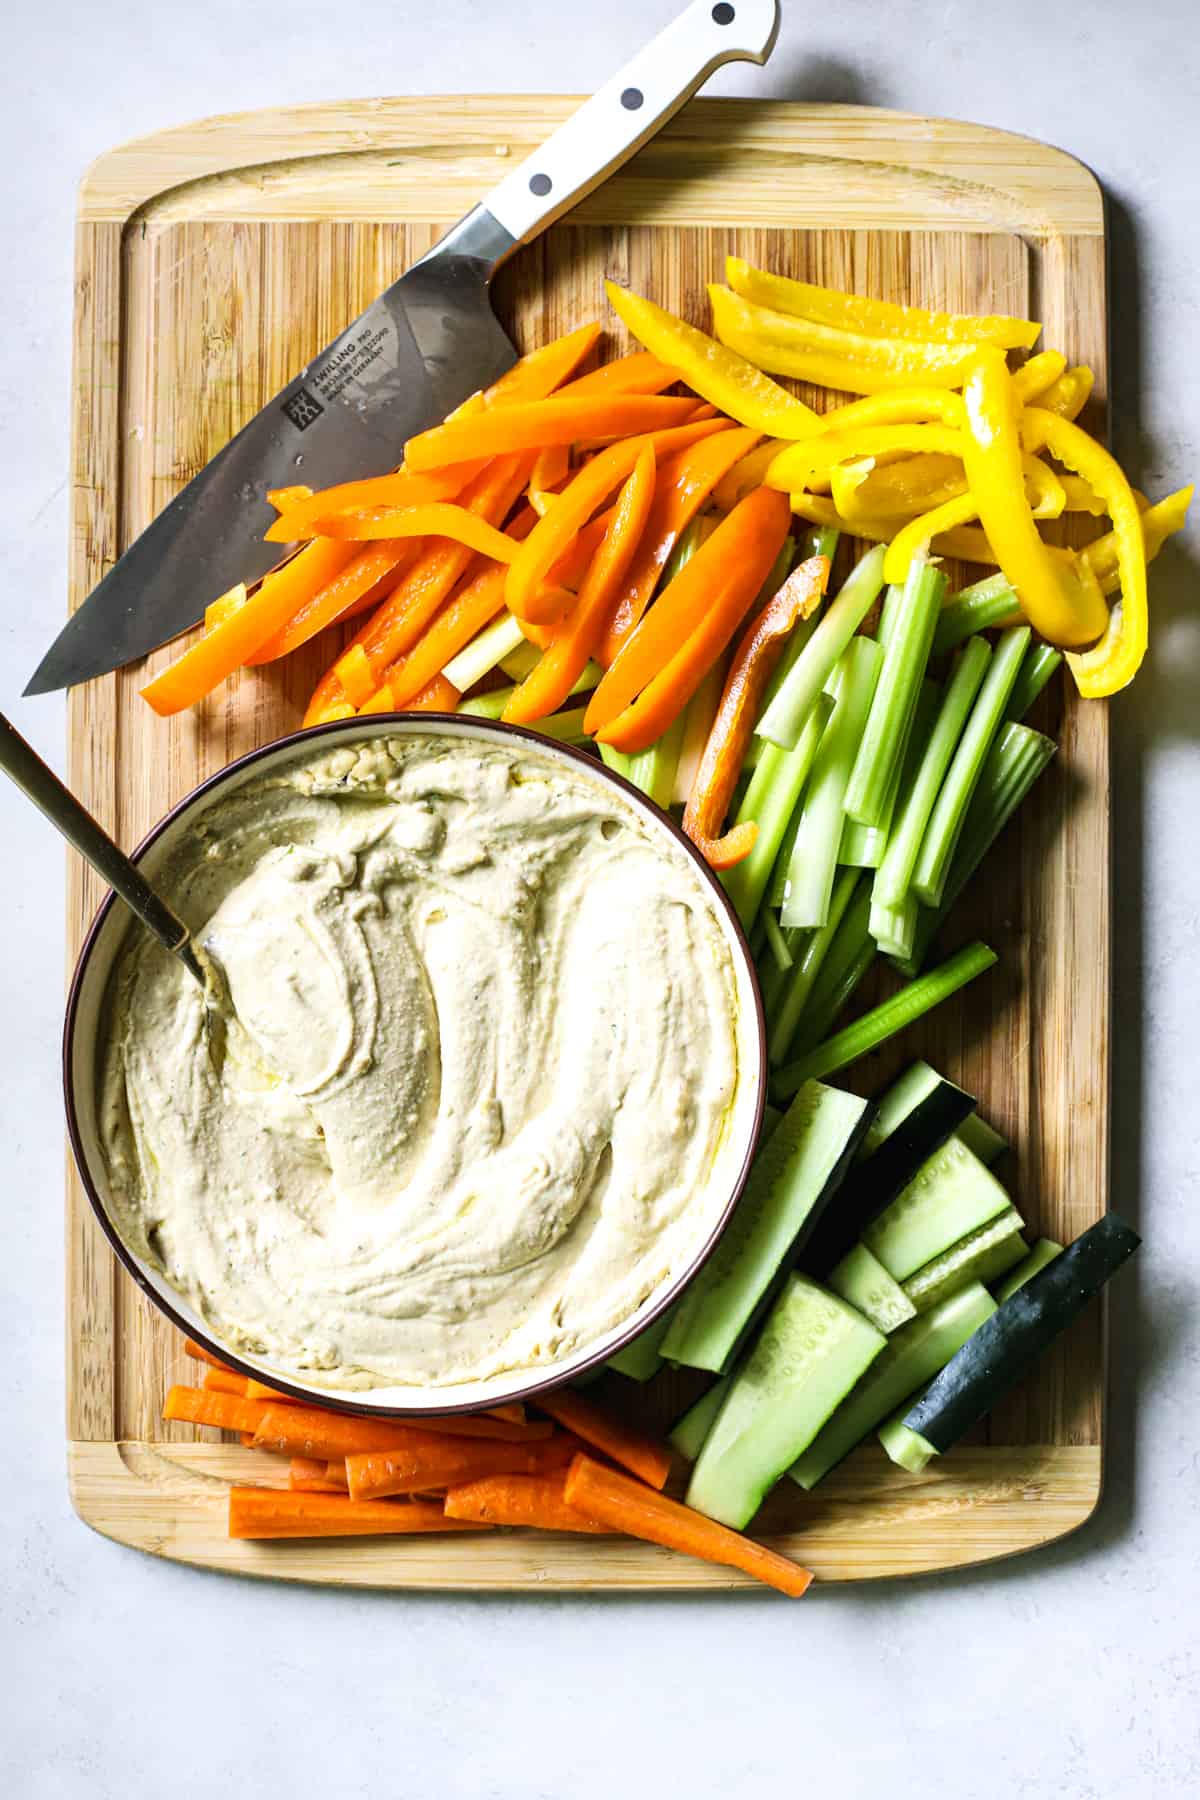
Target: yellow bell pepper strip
(438, 519)
(1050, 593)
(915, 538)
(1079, 498)
(741, 699)
(563, 662)
(713, 371)
(864, 489)
(1159, 522)
(897, 406)
(838, 359)
(794, 468)
(685, 631)
(875, 318)
(1044, 490)
(1038, 374)
(533, 424)
(682, 487)
(965, 543)
(527, 593)
(1115, 660)
(1069, 394)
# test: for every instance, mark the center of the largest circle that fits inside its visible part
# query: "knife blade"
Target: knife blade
(425, 344)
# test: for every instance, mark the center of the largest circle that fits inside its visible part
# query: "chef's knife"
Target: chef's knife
(419, 350)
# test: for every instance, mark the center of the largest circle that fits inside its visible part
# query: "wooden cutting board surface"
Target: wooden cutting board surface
(212, 262)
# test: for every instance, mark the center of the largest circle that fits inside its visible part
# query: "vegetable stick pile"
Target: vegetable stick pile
(579, 1469)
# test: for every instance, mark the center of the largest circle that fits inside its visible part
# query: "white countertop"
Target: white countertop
(1073, 1673)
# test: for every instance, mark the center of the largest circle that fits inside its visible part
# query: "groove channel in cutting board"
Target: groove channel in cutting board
(193, 307)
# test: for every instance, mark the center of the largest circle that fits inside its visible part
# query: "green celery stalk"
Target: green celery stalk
(904, 844)
(950, 810)
(847, 960)
(886, 1019)
(494, 643)
(894, 928)
(698, 717)
(822, 540)
(777, 942)
(616, 760)
(979, 608)
(814, 852)
(522, 661)
(772, 800)
(885, 738)
(784, 719)
(491, 705)
(864, 846)
(792, 996)
(653, 770)
(1040, 662)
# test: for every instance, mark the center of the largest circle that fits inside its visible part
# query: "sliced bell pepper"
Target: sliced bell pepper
(746, 474)
(637, 373)
(683, 485)
(865, 489)
(915, 538)
(717, 373)
(725, 749)
(875, 318)
(795, 467)
(700, 611)
(965, 543)
(366, 580)
(437, 695)
(217, 611)
(436, 519)
(1038, 374)
(897, 406)
(1069, 394)
(337, 709)
(560, 666)
(1159, 522)
(318, 515)
(1050, 593)
(542, 370)
(1079, 498)
(356, 676)
(809, 351)
(282, 498)
(550, 469)
(533, 424)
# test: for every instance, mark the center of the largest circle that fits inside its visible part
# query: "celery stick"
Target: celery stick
(849, 956)
(806, 967)
(1040, 662)
(814, 852)
(698, 717)
(493, 703)
(950, 810)
(523, 661)
(864, 846)
(653, 770)
(822, 540)
(616, 760)
(777, 943)
(495, 641)
(885, 738)
(894, 928)
(784, 718)
(886, 1019)
(990, 602)
(563, 727)
(904, 845)
(772, 800)
(1013, 764)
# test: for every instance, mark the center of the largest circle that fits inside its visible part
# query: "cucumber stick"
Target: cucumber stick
(641, 1359)
(1043, 1252)
(907, 1448)
(982, 1255)
(912, 1356)
(864, 1283)
(983, 1139)
(950, 1195)
(793, 1178)
(812, 1350)
(690, 1430)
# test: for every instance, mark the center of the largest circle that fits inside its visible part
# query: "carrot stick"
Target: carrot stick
(335, 1473)
(633, 1449)
(533, 424)
(308, 1468)
(512, 1410)
(307, 517)
(247, 1439)
(553, 677)
(627, 1506)
(684, 484)
(202, 1355)
(275, 1513)
(308, 1476)
(299, 1484)
(542, 370)
(638, 373)
(705, 603)
(258, 1390)
(536, 1500)
(226, 1381)
(312, 1431)
(428, 1460)
(228, 1412)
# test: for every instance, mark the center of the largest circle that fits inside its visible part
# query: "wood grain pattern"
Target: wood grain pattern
(212, 261)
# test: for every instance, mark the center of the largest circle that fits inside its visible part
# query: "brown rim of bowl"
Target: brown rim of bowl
(341, 728)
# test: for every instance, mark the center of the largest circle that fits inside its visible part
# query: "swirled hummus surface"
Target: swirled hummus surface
(474, 1071)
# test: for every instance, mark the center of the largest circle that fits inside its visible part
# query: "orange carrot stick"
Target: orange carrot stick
(258, 1390)
(306, 1475)
(202, 1355)
(536, 1500)
(307, 517)
(511, 1410)
(533, 424)
(684, 484)
(335, 1473)
(308, 1468)
(705, 602)
(247, 1439)
(300, 1484)
(312, 1431)
(627, 1506)
(725, 750)
(225, 1381)
(428, 1460)
(542, 370)
(551, 680)
(275, 1513)
(633, 1449)
(228, 1412)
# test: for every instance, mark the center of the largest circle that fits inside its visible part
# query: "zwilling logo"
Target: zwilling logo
(302, 409)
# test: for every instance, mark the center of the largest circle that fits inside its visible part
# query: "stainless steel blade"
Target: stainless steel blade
(419, 350)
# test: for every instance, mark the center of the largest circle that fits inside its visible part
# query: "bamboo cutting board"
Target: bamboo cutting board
(212, 262)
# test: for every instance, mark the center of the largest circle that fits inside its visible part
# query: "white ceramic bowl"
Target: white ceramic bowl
(82, 1039)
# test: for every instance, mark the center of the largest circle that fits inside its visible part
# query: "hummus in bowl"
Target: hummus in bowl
(479, 1085)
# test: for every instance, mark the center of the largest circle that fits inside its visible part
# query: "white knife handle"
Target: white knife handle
(628, 111)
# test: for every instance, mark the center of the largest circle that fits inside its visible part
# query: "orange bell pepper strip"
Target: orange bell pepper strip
(369, 569)
(710, 369)
(542, 370)
(437, 519)
(534, 424)
(1050, 594)
(1069, 394)
(318, 514)
(340, 709)
(551, 538)
(725, 750)
(638, 373)
(875, 318)
(217, 611)
(550, 469)
(684, 484)
(683, 634)
(283, 498)
(549, 683)
(402, 618)
(357, 678)
(215, 656)
(438, 695)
